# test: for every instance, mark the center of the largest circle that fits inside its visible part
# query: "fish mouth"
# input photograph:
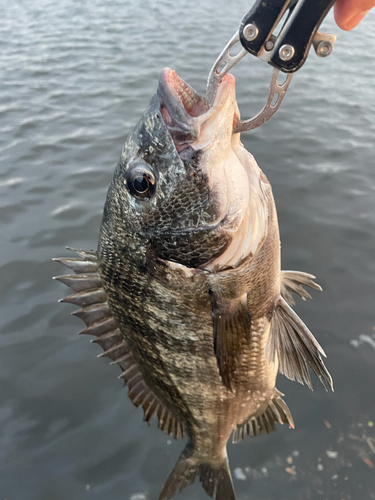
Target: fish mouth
(184, 110)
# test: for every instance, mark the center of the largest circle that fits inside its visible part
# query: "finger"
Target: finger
(349, 13)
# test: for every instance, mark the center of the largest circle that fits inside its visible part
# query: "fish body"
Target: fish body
(185, 291)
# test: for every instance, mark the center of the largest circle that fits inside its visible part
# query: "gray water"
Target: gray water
(74, 79)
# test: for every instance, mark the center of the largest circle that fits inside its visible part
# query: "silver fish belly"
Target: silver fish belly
(185, 291)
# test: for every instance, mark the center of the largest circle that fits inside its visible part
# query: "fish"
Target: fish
(185, 291)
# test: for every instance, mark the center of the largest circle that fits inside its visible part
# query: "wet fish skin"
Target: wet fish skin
(192, 278)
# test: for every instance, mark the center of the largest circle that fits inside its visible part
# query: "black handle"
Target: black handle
(300, 27)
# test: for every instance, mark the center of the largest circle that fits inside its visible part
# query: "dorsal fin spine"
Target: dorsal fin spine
(94, 310)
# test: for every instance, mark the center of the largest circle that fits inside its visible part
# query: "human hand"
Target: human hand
(348, 13)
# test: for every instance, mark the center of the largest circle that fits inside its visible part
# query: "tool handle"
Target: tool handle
(289, 49)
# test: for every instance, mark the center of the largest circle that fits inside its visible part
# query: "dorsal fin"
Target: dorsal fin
(264, 423)
(95, 312)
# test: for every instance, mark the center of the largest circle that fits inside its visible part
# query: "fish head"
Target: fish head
(180, 187)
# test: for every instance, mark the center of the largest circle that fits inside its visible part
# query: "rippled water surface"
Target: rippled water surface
(75, 77)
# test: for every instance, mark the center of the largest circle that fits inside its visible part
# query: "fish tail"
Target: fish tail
(215, 477)
(217, 480)
(182, 475)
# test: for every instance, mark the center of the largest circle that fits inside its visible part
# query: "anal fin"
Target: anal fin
(231, 328)
(296, 347)
(95, 312)
(265, 423)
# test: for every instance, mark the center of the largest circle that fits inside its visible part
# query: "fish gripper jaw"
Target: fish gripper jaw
(288, 50)
(297, 23)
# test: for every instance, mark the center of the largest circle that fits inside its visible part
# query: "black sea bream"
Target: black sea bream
(185, 291)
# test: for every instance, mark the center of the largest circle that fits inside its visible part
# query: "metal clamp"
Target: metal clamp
(223, 64)
(288, 49)
(270, 108)
(285, 51)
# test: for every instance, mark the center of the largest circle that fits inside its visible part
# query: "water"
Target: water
(75, 77)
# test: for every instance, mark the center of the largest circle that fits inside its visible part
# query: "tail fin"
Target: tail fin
(217, 482)
(215, 478)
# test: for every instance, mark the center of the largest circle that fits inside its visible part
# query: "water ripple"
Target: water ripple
(75, 78)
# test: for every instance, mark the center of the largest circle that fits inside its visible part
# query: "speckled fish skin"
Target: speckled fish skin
(166, 311)
(193, 280)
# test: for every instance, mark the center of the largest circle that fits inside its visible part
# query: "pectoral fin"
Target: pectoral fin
(295, 347)
(95, 312)
(231, 328)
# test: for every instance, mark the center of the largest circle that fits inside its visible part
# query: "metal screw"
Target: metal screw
(286, 52)
(269, 45)
(324, 48)
(250, 32)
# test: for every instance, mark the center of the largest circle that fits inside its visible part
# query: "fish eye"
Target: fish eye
(141, 182)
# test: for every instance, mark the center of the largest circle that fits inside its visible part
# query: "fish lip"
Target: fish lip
(183, 109)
